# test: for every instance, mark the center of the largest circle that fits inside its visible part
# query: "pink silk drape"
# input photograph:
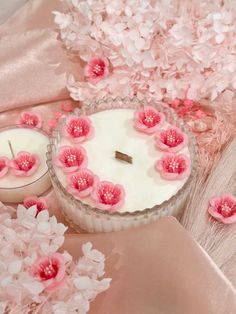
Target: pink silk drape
(156, 268)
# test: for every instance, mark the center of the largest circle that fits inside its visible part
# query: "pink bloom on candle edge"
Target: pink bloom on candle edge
(223, 208)
(40, 203)
(78, 129)
(4, 166)
(171, 140)
(71, 158)
(25, 164)
(30, 119)
(82, 183)
(50, 270)
(97, 69)
(108, 196)
(173, 167)
(148, 120)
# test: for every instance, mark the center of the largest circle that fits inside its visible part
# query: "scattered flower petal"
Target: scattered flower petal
(223, 208)
(39, 202)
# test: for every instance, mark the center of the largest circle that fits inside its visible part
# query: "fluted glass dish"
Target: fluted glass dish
(84, 218)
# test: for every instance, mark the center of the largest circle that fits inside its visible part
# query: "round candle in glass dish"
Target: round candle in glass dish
(14, 186)
(125, 150)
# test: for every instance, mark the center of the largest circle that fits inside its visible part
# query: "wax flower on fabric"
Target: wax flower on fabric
(39, 202)
(108, 196)
(4, 166)
(30, 119)
(223, 208)
(171, 140)
(148, 120)
(71, 158)
(24, 164)
(173, 167)
(96, 69)
(34, 276)
(82, 183)
(78, 129)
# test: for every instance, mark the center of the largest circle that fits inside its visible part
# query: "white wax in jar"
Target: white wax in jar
(114, 131)
(13, 189)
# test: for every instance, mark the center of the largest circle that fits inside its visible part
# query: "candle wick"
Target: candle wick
(11, 149)
(123, 157)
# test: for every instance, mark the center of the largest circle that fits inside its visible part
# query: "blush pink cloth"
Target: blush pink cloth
(156, 269)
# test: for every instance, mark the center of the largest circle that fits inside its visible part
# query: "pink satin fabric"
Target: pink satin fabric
(33, 62)
(156, 269)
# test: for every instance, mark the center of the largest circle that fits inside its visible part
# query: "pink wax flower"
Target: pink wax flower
(50, 270)
(25, 164)
(78, 129)
(71, 158)
(171, 140)
(173, 167)
(82, 183)
(4, 166)
(97, 69)
(30, 119)
(67, 107)
(108, 196)
(148, 120)
(40, 203)
(223, 208)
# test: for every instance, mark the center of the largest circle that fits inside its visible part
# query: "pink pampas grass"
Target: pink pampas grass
(216, 238)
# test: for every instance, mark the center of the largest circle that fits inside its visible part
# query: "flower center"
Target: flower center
(49, 271)
(73, 159)
(171, 138)
(78, 128)
(98, 69)
(81, 184)
(226, 210)
(174, 165)
(151, 119)
(24, 164)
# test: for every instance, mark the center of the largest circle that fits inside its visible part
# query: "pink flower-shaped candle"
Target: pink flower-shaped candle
(223, 208)
(78, 129)
(148, 120)
(50, 270)
(171, 140)
(108, 196)
(39, 202)
(30, 119)
(4, 166)
(82, 183)
(71, 158)
(173, 167)
(24, 164)
(97, 69)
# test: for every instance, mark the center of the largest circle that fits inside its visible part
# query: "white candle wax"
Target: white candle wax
(143, 185)
(13, 189)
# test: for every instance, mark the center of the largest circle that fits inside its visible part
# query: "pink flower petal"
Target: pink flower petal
(50, 270)
(4, 166)
(173, 167)
(97, 69)
(223, 208)
(82, 183)
(40, 203)
(108, 196)
(78, 129)
(71, 158)
(171, 140)
(30, 119)
(25, 164)
(148, 120)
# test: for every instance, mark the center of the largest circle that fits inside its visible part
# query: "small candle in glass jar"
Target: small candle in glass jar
(13, 189)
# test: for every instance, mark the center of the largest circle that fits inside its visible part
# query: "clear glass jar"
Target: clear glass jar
(85, 218)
